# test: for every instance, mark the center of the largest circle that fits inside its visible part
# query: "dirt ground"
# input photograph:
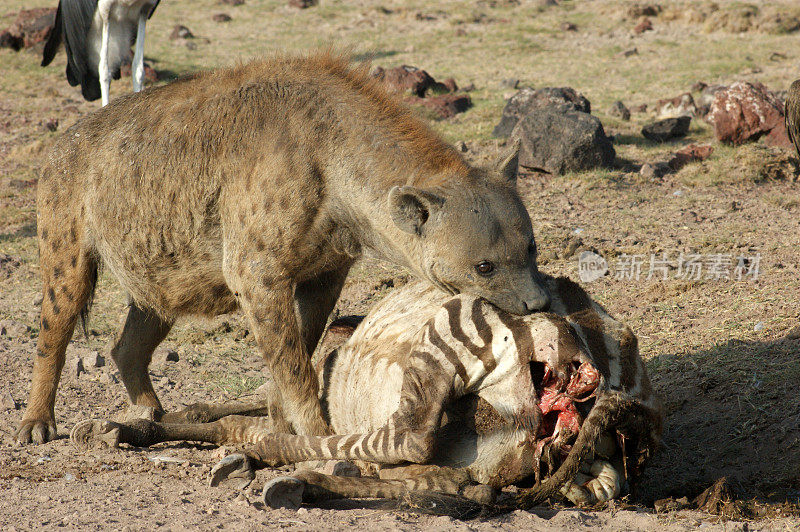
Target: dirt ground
(723, 353)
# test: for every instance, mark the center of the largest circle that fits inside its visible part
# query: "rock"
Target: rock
(568, 26)
(231, 2)
(654, 170)
(221, 17)
(618, 109)
(670, 505)
(150, 74)
(744, 112)
(49, 124)
(689, 154)
(7, 401)
(527, 99)
(664, 130)
(446, 105)
(75, 367)
(181, 32)
(510, 83)
(644, 25)
(163, 355)
(558, 140)
(462, 146)
(30, 28)
(682, 105)
(94, 360)
(8, 264)
(450, 85)
(13, 329)
(779, 137)
(406, 78)
(302, 4)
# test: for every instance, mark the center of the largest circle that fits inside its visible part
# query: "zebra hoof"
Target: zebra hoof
(94, 434)
(283, 492)
(234, 466)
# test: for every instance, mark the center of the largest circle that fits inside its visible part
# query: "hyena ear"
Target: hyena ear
(411, 208)
(508, 163)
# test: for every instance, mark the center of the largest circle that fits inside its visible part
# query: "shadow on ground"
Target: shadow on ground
(732, 410)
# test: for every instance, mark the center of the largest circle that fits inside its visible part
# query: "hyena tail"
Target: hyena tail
(92, 274)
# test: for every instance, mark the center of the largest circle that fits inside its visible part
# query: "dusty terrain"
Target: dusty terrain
(723, 353)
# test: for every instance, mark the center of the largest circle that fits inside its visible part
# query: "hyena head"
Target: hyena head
(475, 239)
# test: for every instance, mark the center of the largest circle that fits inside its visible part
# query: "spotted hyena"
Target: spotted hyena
(256, 188)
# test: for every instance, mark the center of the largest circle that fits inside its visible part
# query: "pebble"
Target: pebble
(7, 401)
(759, 326)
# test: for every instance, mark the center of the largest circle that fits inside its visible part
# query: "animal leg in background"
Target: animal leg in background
(104, 72)
(137, 67)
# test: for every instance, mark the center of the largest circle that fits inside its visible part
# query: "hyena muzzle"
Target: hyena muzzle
(450, 394)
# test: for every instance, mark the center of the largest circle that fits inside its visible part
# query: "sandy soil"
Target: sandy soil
(722, 353)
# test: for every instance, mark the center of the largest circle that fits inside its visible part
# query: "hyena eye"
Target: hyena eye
(484, 268)
(532, 247)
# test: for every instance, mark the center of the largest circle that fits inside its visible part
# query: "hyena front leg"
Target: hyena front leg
(271, 312)
(68, 272)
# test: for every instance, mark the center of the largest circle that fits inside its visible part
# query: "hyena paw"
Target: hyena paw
(94, 434)
(234, 466)
(283, 492)
(36, 431)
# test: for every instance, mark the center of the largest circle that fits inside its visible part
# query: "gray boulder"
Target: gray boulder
(668, 129)
(527, 99)
(559, 140)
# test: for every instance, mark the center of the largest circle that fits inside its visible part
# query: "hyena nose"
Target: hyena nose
(539, 302)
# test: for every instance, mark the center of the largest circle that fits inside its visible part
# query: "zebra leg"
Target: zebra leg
(230, 430)
(441, 485)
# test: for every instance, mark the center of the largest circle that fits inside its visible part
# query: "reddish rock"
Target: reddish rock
(446, 105)
(779, 137)
(450, 85)
(745, 111)
(644, 25)
(31, 27)
(406, 78)
(689, 154)
(150, 75)
(682, 105)
(221, 17)
(180, 31)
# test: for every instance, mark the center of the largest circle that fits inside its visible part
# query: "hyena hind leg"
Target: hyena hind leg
(69, 274)
(139, 335)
